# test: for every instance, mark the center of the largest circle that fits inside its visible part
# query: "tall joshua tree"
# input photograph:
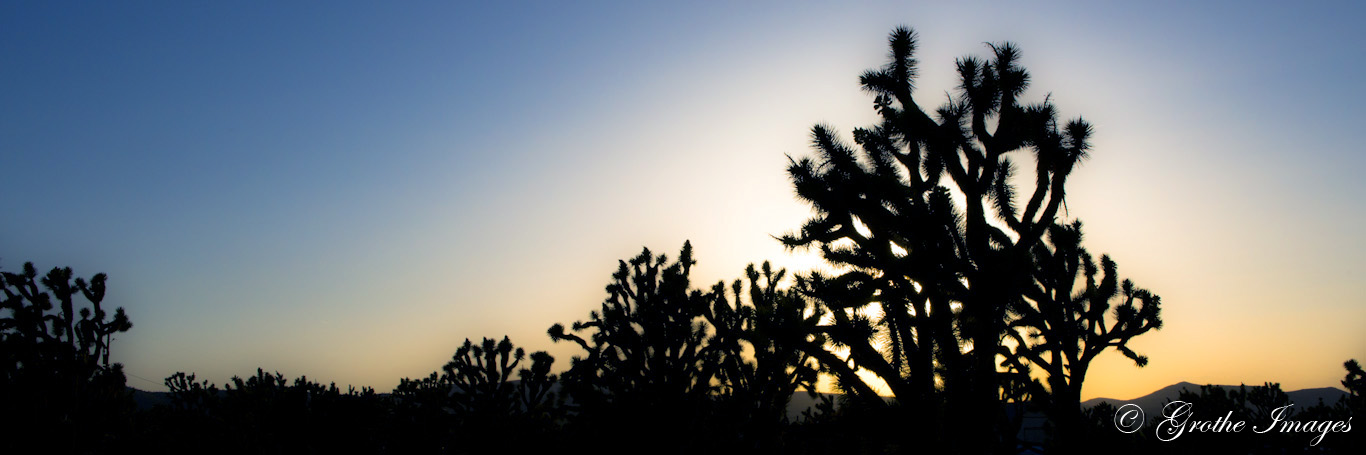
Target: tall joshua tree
(924, 218)
(1072, 313)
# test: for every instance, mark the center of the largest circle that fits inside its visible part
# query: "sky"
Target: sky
(349, 190)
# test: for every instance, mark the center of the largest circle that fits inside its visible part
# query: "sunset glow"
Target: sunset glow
(350, 193)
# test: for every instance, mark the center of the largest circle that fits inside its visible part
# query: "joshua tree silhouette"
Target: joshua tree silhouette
(491, 409)
(1355, 382)
(939, 274)
(778, 326)
(648, 341)
(58, 384)
(481, 373)
(1061, 328)
(648, 370)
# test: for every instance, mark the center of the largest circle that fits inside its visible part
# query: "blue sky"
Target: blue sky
(349, 190)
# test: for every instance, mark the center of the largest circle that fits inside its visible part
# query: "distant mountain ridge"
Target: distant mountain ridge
(1152, 403)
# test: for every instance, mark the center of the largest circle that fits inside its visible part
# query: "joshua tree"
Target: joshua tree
(779, 327)
(1355, 401)
(939, 275)
(1060, 328)
(536, 386)
(1355, 382)
(481, 375)
(188, 396)
(648, 370)
(648, 340)
(491, 409)
(86, 339)
(55, 375)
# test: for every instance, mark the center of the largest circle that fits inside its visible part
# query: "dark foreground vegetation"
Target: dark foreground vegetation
(968, 297)
(649, 381)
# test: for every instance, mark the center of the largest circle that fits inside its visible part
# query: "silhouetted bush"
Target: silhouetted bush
(265, 413)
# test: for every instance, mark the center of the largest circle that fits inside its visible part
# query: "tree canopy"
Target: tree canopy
(938, 221)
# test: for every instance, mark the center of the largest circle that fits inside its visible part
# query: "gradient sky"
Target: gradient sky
(348, 191)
